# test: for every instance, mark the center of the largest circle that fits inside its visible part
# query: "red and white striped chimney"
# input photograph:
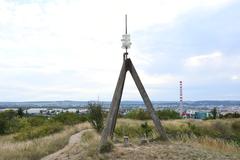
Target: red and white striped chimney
(181, 98)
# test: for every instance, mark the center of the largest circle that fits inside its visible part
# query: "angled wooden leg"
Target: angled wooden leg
(147, 101)
(112, 115)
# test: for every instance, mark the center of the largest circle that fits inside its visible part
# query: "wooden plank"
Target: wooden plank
(147, 102)
(112, 115)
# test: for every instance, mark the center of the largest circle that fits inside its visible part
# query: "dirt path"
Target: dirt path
(72, 145)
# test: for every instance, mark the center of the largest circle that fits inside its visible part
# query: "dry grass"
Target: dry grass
(205, 142)
(89, 145)
(184, 147)
(139, 122)
(85, 147)
(153, 151)
(37, 148)
(215, 145)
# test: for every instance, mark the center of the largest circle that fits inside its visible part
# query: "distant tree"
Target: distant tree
(96, 116)
(236, 115)
(20, 112)
(230, 115)
(214, 112)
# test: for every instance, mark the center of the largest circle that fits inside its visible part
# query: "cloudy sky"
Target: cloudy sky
(71, 49)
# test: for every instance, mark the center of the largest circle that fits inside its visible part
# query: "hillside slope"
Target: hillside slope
(167, 152)
(85, 146)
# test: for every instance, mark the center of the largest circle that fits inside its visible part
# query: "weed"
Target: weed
(107, 147)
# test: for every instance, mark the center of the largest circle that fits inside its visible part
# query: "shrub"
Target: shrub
(70, 118)
(175, 131)
(95, 116)
(127, 130)
(202, 130)
(168, 114)
(139, 114)
(223, 129)
(6, 121)
(40, 131)
(236, 126)
(106, 147)
(37, 120)
(13, 125)
(146, 129)
(2, 126)
(230, 115)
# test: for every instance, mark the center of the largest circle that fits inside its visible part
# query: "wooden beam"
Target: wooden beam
(112, 115)
(147, 102)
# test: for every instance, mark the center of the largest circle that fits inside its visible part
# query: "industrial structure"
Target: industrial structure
(181, 98)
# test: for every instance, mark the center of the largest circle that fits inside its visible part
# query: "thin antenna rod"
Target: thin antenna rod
(126, 23)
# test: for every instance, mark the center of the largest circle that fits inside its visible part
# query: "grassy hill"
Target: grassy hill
(190, 139)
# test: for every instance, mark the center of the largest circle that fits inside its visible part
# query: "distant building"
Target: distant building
(34, 111)
(72, 110)
(202, 115)
(188, 114)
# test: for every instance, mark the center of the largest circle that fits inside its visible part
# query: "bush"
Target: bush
(96, 116)
(70, 118)
(223, 129)
(37, 132)
(127, 130)
(7, 121)
(199, 130)
(2, 126)
(14, 125)
(106, 147)
(168, 114)
(139, 114)
(230, 115)
(37, 121)
(175, 131)
(236, 126)
(146, 129)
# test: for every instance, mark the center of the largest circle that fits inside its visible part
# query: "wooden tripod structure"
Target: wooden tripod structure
(107, 133)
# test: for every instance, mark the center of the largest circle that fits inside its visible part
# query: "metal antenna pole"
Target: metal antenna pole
(126, 31)
(126, 24)
(125, 40)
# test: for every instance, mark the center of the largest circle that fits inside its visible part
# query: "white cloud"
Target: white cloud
(205, 60)
(235, 77)
(158, 80)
